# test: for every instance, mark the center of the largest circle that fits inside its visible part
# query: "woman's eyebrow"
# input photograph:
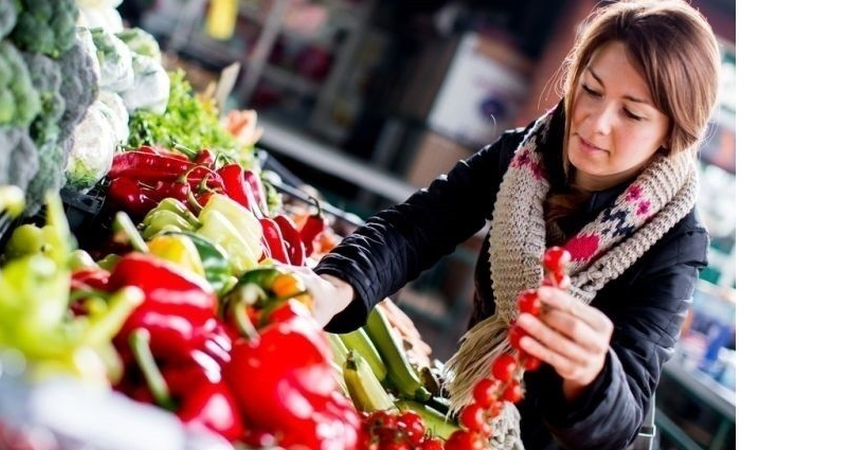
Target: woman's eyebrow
(630, 98)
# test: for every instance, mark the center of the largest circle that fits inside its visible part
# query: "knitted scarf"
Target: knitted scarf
(600, 252)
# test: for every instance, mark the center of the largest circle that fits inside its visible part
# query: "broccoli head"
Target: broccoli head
(50, 176)
(19, 158)
(19, 100)
(8, 16)
(47, 80)
(46, 26)
(79, 87)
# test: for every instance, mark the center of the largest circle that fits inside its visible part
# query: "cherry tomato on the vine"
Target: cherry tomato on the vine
(465, 440)
(504, 367)
(555, 258)
(472, 417)
(513, 392)
(528, 302)
(414, 426)
(486, 391)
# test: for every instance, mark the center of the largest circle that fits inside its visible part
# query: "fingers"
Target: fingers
(558, 300)
(569, 335)
(556, 345)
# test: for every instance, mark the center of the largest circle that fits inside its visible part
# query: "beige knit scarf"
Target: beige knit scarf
(658, 199)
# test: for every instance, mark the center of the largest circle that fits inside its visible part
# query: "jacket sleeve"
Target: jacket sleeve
(397, 244)
(647, 306)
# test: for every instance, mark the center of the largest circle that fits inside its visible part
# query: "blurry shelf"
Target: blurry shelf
(252, 12)
(208, 50)
(718, 397)
(284, 141)
(285, 78)
(674, 432)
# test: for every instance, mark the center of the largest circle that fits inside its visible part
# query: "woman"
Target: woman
(610, 173)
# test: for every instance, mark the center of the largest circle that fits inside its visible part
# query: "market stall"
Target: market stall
(148, 296)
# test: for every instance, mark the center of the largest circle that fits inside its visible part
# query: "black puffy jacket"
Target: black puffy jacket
(647, 303)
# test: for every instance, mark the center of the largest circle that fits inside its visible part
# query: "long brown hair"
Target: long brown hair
(673, 47)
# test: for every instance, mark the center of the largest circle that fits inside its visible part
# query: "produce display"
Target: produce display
(176, 307)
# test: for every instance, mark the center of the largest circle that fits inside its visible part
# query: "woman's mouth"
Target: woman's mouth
(587, 147)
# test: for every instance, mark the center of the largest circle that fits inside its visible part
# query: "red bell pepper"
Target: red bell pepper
(312, 228)
(292, 238)
(179, 309)
(197, 395)
(292, 397)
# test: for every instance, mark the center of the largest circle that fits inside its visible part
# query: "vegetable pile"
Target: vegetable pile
(184, 293)
(47, 81)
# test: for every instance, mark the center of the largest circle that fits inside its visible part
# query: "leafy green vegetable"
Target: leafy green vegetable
(187, 121)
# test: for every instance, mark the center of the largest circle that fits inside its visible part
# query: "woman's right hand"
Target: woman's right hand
(330, 294)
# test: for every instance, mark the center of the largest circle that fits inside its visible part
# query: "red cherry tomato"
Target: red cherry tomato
(555, 258)
(395, 445)
(513, 392)
(527, 302)
(486, 391)
(515, 333)
(530, 362)
(504, 367)
(412, 422)
(465, 440)
(432, 443)
(472, 417)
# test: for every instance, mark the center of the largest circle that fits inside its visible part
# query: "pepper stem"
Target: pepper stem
(194, 205)
(239, 313)
(191, 154)
(318, 204)
(121, 305)
(140, 340)
(124, 224)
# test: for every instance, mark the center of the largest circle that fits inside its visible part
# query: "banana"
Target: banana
(364, 389)
(359, 340)
(436, 423)
(338, 349)
(400, 372)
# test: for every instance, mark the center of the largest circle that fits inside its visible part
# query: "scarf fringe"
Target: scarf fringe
(506, 434)
(479, 347)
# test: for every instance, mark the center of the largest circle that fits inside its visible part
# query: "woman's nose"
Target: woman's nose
(601, 119)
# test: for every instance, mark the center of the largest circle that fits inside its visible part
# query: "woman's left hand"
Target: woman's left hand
(570, 336)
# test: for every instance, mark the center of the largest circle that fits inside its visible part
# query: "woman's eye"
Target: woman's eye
(632, 115)
(590, 91)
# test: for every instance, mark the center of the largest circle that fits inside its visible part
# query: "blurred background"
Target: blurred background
(366, 101)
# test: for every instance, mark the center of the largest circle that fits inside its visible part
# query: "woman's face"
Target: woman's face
(614, 126)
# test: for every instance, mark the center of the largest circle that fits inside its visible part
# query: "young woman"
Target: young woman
(609, 172)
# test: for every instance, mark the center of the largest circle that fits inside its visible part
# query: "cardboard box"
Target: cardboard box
(434, 156)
